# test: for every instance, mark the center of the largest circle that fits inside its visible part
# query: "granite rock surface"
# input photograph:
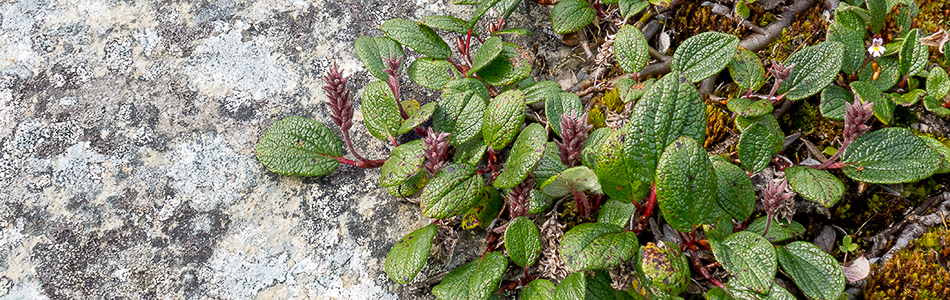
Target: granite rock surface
(127, 134)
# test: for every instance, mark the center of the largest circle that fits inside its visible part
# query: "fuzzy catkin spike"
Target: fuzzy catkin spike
(574, 133)
(436, 150)
(855, 115)
(341, 108)
(518, 198)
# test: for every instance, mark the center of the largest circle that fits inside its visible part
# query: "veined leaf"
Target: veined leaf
(735, 194)
(592, 147)
(779, 230)
(417, 36)
(525, 155)
(616, 213)
(403, 163)
(461, 109)
(878, 10)
(432, 73)
(936, 105)
(563, 104)
(816, 66)
(539, 202)
(664, 267)
(938, 83)
(538, 289)
(756, 146)
(409, 255)
(380, 110)
(482, 214)
(451, 192)
(371, 50)
(942, 150)
(631, 90)
(630, 47)
(868, 93)
(686, 185)
(417, 118)
(447, 23)
(299, 146)
(887, 76)
(512, 65)
(541, 91)
(550, 164)
(579, 178)
(503, 119)
(815, 272)
(815, 185)
(409, 187)
(889, 155)
(597, 246)
(704, 54)
(853, 42)
(629, 8)
(913, 55)
(746, 70)
(750, 258)
(748, 108)
(833, 99)
(570, 15)
(513, 31)
(475, 280)
(616, 167)
(523, 241)
(486, 53)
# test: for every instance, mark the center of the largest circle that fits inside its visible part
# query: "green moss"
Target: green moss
(915, 272)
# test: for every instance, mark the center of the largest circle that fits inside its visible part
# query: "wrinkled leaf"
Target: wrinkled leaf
(512, 65)
(563, 104)
(833, 99)
(686, 185)
(489, 205)
(629, 8)
(665, 267)
(877, 9)
(578, 178)
(756, 146)
(447, 23)
(523, 241)
(524, 156)
(550, 164)
(409, 254)
(486, 53)
(815, 272)
(451, 192)
(735, 194)
(630, 48)
(503, 119)
(868, 93)
(936, 106)
(913, 55)
(597, 246)
(779, 230)
(938, 85)
(541, 91)
(403, 163)
(746, 70)
(299, 146)
(432, 73)
(475, 280)
(538, 289)
(371, 51)
(539, 202)
(616, 213)
(570, 15)
(409, 187)
(513, 31)
(417, 36)
(748, 108)
(887, 76)
(631, 90)
(470, 152)
(816, 66)
(461, 109)
(889, 155)
(380, 110)
(853, 42)
(592, 147)
(417, 118)
(815, 185)
(704, 54)
(750, 258)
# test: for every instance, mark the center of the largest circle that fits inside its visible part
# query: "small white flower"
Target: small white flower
(876, 48)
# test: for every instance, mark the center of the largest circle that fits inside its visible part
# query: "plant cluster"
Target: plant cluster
(645, 206)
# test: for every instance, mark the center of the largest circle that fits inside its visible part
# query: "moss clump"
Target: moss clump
(915, 272)
(612, 100)
(718, 125)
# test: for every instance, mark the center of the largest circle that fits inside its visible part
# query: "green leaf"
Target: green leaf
(432, 73)
(579, 178)
(447, 23)
(735, 194)
(403, 163)
(718, 231)
(538, 289)
(451, 192)
(748, 108)
(503, 119)
(524, 156)
(815, 185)
(852, 17)
(539, 202)
(513, 31)
(833, 99)
(686, 185)
(409, 255)
(512, 65)
(938, 83)
(883, 108)
(616, 213)
(523, 241)
(480, 10)
(616, 167)
(878, 10)
(592, 147)
(506, 7)
(936, 106)
(466, 2)
(417, 118)
(909, 98)
(563, 104)
(750, 258)
(746, 70)
(942, 150)
(630, 47)
(460, 111)
(629, 8)
(475, 280)
(756, 146)
(417, 36)
(460, 86)
(913, 55)
(550, 164)
(597, 246)
(541, 91)
(371, 50)
(779, 230)
(889, 155)
(482, 214)
(380, 110)
(704, 54)
(816, 66)
(409, 187)
(574, 287)
(470, 152)
(665, 267)
(299, 146)
(631, 90)
(571, 15)
(888, 76)
(816, 273)
(853, 42)
(486, 53)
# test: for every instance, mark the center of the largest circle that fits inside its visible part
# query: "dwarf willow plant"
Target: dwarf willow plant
(481, 160)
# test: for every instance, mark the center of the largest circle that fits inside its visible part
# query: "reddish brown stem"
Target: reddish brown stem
(646, 211)
(364, 164)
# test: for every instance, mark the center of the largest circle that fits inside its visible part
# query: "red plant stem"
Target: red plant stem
(694, 257)
(457, 66)
(580, 200)
(946, 105)
(774, 89)
(349, 144)
(646, 211)
(768, 223)
(830, 163)
(394, 85)
(468, 48)
(393, 140)
(364, 164)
